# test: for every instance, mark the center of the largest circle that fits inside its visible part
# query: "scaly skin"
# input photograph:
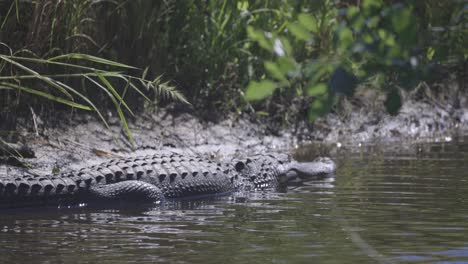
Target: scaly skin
(153, 178)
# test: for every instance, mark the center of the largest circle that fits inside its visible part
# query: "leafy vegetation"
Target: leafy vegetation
(330, 47)
(69, 78)
(280, 59)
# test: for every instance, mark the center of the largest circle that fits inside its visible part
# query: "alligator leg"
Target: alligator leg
(127, 191)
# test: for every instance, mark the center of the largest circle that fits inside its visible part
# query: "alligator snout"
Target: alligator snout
(299, 171)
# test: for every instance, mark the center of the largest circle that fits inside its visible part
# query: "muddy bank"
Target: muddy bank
(428, 114)
(72, 141)
(81, 140)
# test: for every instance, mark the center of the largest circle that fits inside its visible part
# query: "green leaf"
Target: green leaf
(317, 108)
(373, 22)
(286, 46)
(317, 89)
(242, 5)
(260, 90)
(352, 11)
(55, 170)
(401, 19)
(308, 21)
(387, 37)
(262, 113)
(430, 53)
(274, 70)
(259, 36)
(299, 31)
(372, 3)
(286, 65)
(346, 37)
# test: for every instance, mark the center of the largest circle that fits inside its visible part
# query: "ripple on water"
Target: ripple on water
(383, 207)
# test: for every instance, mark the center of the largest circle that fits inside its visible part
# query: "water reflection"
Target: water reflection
(382, 207)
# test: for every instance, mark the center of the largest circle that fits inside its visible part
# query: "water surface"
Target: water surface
(382, 207)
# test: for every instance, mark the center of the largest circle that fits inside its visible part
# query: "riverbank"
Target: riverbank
(70, 140)
(428, 114)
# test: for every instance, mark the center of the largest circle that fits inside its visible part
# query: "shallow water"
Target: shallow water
(382, 207)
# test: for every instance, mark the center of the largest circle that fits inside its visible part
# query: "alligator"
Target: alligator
(154, 178)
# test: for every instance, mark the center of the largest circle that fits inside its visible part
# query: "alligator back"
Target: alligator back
(176, 175)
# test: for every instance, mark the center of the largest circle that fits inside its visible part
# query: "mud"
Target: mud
(435, 114)
(74, 141)
(81, 140)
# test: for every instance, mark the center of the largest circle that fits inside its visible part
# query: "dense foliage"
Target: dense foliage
(298, 56)
(330, 47)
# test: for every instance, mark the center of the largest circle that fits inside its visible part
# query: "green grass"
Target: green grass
(219, 54)
(60, 92)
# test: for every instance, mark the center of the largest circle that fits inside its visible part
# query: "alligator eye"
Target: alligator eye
(240, 166)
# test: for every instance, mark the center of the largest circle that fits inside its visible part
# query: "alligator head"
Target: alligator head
(284, 169)
(294, 171)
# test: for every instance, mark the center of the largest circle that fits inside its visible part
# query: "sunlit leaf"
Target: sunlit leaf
(259, 37)
(352, 11)
(387, 37)
(299, 31)
(242, 5)
(373, 21)
(346, 37)
(274, 70)
(260, 90)
(286, 65)
(262, 113)
(317, 89)
(308, 21)
(430, 53)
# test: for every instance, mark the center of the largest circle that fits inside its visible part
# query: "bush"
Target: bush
(330, 47)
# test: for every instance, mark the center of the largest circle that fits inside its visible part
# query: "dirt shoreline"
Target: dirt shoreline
(81, 140)
(427, 114)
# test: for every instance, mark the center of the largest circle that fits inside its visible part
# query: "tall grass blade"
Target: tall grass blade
(7, 15)
(118, 108)
(43, 94)
(46, 79)
(87, 57)
(114, 92)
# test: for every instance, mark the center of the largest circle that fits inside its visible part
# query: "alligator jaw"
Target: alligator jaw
(298, 171)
